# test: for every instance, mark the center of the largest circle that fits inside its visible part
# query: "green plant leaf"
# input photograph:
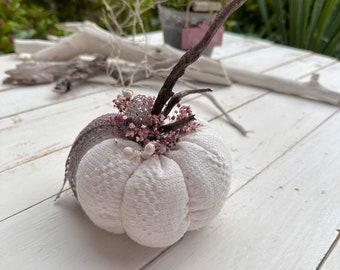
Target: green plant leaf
(264, 13)
(324, 23)
(313, 24)
(278, 10)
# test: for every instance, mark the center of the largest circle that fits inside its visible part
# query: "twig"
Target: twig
(231, 121)
(177, 124)
(192, 55)
(178, 96)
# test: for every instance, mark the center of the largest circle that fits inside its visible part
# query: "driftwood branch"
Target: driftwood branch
(91, 39)
(79, 73)
(312, 89)
(32, 73)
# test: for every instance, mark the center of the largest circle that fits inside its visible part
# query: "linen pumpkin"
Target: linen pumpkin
(131, 178)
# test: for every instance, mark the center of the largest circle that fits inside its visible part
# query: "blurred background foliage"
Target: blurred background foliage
(307, 24)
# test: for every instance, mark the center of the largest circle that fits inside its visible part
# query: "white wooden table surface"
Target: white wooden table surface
(283, 211)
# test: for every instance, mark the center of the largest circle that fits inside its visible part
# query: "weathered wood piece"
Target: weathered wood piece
(311, 89)
(80, 72)
(30, 46)
(32, 73)
(91, 39)
(160, 58)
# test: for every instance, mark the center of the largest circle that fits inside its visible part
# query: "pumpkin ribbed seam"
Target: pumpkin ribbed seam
(121, 201)
(208, 151)
(186, 187)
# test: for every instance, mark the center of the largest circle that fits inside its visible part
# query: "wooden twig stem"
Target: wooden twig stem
(192, 55)
(230, 120)
(177, 124)
(178, 96)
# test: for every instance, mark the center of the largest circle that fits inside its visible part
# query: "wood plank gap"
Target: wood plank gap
(329, 251)
(156, 257)
(286, 63)
(27, 208)
(240, 105)
(317, 70)
(245, 51)
(34, 157)
(54, 103)
(283, 153)
(33, 205)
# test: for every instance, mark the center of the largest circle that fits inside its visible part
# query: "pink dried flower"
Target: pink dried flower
(127, 123)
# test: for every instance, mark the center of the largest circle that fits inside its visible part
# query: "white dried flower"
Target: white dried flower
(148, 151)
(128, 93)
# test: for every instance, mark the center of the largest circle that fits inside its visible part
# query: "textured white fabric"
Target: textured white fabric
(156, 200)
(155, 204)
(101, 178)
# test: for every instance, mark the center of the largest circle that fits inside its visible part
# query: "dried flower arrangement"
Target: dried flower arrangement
(148, 173)
(135, 121)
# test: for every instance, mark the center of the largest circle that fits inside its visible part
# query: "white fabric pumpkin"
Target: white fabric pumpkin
(156, 200)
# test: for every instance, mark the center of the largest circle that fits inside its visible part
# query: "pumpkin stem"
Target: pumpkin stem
(192, 55)
(178, 96)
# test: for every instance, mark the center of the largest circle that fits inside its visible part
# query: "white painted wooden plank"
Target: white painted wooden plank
(265, 59)
(33, 134)
(333, 261)
(290, 119)
(31, 183)
(278, 122)
(60, 236)
(276, 117)
(305, 66)
(21, 98)
(284, 219)
(229, 97)
(234, 44)
(24, 135)
(50, 241)
(302, 67)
